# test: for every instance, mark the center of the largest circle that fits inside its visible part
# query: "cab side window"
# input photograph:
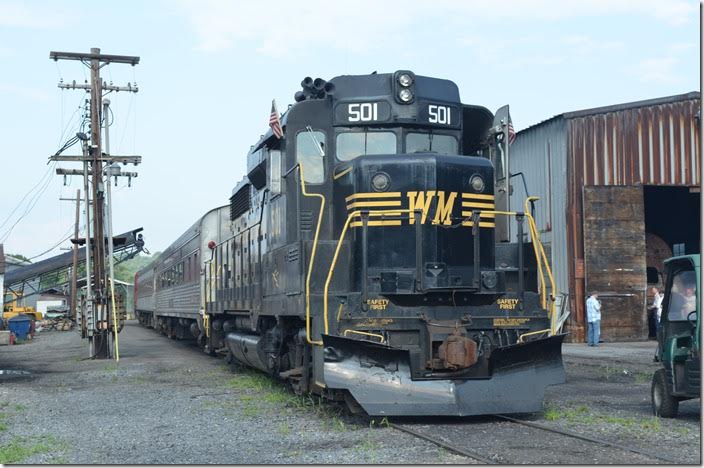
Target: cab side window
(275, 172)
(310, 154)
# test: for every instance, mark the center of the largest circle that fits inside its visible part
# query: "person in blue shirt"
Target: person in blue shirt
(593, 319)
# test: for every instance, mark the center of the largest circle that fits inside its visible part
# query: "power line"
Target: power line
(30, 206)
(55, 245)
(41, 180)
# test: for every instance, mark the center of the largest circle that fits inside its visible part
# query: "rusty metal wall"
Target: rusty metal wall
(649, 145)
(655, 142)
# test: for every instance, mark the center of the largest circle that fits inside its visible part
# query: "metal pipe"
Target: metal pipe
(521, 266)
(476, 280)
(417, 215)
(89, 288)
(365, 260)
(111, 260)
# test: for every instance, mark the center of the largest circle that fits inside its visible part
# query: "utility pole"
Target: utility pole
(98, 321)
(74, 269)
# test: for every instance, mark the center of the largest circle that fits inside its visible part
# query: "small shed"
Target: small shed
(619, 192)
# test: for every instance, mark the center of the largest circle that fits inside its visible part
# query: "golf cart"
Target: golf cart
(678, 338)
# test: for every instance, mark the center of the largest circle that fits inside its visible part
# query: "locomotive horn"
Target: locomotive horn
(329, 88)
(307, 82)
(319, 84)
(299, 96)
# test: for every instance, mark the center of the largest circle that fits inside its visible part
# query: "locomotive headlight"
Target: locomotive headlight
(380, 182)
(477, 183)
(405, 80)
(405, 95)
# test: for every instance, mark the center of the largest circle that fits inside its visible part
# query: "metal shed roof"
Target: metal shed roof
(617, 107)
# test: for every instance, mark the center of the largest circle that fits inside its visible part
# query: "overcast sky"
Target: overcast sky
(209, 70)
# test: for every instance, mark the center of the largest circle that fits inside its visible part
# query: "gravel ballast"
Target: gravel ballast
(167, 402)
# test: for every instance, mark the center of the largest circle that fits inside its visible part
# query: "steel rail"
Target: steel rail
(589, 439)
(443, 444)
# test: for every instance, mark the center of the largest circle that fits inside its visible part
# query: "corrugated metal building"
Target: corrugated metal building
(619, 192)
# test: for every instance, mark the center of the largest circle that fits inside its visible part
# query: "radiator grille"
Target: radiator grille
(240, 202)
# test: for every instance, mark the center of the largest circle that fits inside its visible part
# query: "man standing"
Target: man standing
(657, 308)
(593, 319)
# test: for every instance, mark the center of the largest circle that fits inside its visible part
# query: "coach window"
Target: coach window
(310, 154)
(352, 144)
(434, 143)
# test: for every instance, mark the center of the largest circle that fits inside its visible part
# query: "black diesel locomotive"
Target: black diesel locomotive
(361, 261)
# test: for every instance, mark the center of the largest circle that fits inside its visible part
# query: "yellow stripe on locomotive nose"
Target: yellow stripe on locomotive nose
(485, 224)
(367, 204)
(373, 195)
(488, 206)
(482, 215)
(376, 223)
(478, 196)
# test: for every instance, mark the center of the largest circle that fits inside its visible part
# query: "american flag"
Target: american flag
(274, 121)
(511, 131)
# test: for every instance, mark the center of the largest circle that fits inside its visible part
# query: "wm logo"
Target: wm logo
(435, 206)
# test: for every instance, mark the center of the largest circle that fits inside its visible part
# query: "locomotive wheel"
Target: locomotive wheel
(664, 404)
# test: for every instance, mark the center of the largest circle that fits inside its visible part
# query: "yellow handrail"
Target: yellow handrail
(357, 332)
(540, 258)
(520, 338)
(354, 214)
(536, 235)
(312, 256)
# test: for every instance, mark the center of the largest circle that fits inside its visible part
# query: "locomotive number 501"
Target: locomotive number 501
(439, 114)
(363, 112)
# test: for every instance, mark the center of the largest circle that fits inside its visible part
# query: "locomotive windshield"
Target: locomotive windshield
(353, 144)
(429, 142)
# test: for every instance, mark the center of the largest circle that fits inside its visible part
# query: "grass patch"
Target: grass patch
(284, 429)
(20, 448)
(582, 414)
(651, 424)
(250, 380)
(19, 407)
(110, 368)
(643, 377)
(251, 410)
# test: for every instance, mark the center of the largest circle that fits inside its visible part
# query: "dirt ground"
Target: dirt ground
(166, 402)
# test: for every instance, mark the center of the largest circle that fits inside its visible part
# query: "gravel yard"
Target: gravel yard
(166, 402)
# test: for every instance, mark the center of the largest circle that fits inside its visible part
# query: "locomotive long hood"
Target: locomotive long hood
(379, 378)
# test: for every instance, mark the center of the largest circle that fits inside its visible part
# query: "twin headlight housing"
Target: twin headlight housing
(404, 86)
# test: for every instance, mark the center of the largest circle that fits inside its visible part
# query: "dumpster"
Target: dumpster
(20, 325)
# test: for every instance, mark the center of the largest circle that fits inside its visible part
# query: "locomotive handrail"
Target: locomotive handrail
(312, 253)
(536, 235)
(358, 332)
(354, 214)
(540, 257)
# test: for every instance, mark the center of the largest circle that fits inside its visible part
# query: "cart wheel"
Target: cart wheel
(664, 404)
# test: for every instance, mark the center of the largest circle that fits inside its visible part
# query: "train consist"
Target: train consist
(363, 259)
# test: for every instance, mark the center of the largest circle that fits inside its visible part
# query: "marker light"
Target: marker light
(405, 95)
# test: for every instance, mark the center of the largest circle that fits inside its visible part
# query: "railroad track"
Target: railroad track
(458, 444)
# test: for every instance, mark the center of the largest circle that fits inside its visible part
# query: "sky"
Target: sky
(209, 70)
